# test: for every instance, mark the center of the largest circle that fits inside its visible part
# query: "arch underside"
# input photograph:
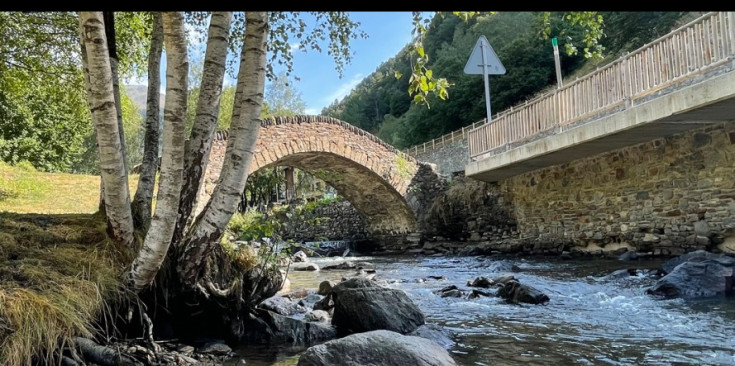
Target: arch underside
(382, 207)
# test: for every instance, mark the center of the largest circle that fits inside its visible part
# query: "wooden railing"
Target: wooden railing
(443, 140)
(703, 44)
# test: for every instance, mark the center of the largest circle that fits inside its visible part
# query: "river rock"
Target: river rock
(377, 348)
(619, 274)
(697, 277)
(325, 287)
(502, 280)
(267, 327)
(309, 300)
(341, 265)
(452, 293)
(300, 256)
(360, 305)
(477, 293)
(360, 274)
(434, 333)
(368, 267)
(481, 281)
(282, 305)
(317, 316)
(515, 292)
(628, 256)
(217, 347)
(325, 304)
(724, 260)
(304, 266)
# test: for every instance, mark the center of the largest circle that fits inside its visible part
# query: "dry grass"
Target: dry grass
(24, 190)
(58, 273)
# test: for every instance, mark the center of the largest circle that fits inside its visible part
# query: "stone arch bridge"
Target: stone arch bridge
(391, 190)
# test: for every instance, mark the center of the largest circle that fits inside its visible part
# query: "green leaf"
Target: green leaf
(420, 51)
(398, 75)
(424, 85)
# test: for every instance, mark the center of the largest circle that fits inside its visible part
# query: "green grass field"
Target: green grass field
(25, 190)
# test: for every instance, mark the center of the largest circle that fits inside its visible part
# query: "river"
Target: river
(589, 320)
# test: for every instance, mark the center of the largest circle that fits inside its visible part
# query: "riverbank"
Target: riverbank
(59, 279)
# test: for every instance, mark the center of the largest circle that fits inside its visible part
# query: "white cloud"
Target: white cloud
(311, 111)
(343, 89)
(295, 47)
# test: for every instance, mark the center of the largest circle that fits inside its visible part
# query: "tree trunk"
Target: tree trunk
(104, 115)
(198, 206)
(210, 225)
(200, 142)
(109, 19)
(85, 71)
(147, 179)
(159, 236)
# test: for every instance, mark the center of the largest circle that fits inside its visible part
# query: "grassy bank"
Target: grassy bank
(25, 190)
(59, 274)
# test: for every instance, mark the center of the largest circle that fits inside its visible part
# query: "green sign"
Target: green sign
(554, 42)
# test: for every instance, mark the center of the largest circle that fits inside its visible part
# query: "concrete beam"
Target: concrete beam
(709, 101)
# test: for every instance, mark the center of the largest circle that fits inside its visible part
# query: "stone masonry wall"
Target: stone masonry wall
(335, 221)
(670, 195)
(449, 158)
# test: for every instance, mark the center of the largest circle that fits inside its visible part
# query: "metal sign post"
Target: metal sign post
(555, 43)
(485, 62)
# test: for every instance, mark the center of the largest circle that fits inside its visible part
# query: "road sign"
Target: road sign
(485, 62)
(488, 58)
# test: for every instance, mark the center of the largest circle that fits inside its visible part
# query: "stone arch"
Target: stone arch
(379, 180)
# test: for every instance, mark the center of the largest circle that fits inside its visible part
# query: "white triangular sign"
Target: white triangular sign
(474, 64)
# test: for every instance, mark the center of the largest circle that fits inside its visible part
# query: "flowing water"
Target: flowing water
(589, 320)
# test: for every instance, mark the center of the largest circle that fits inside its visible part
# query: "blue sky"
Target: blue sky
(320, 83)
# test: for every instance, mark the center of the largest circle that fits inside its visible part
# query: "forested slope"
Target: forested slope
(380, 103)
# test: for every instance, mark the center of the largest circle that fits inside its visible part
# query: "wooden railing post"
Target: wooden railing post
(557, 115)
(626, 80)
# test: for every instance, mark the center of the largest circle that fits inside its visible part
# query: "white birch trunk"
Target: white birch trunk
(104, 116)
(210, 225)
(146, 181)
(207, 113)
(158, 239)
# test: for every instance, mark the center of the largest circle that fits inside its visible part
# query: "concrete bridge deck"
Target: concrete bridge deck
(679, 82)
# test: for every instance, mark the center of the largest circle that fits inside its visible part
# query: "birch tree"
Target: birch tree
(210, 226)
(144, 193)
(104, 115)
(200, 142)
(151, 255)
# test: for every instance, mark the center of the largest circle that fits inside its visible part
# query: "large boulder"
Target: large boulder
(700, 276)
(360, 305)
(282, 305)
(325, 287)
(724, 260)
(515, 292)
(267, 327)
(377, 348)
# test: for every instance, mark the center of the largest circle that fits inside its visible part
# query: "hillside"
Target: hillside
(138, 94)
(381, 105)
